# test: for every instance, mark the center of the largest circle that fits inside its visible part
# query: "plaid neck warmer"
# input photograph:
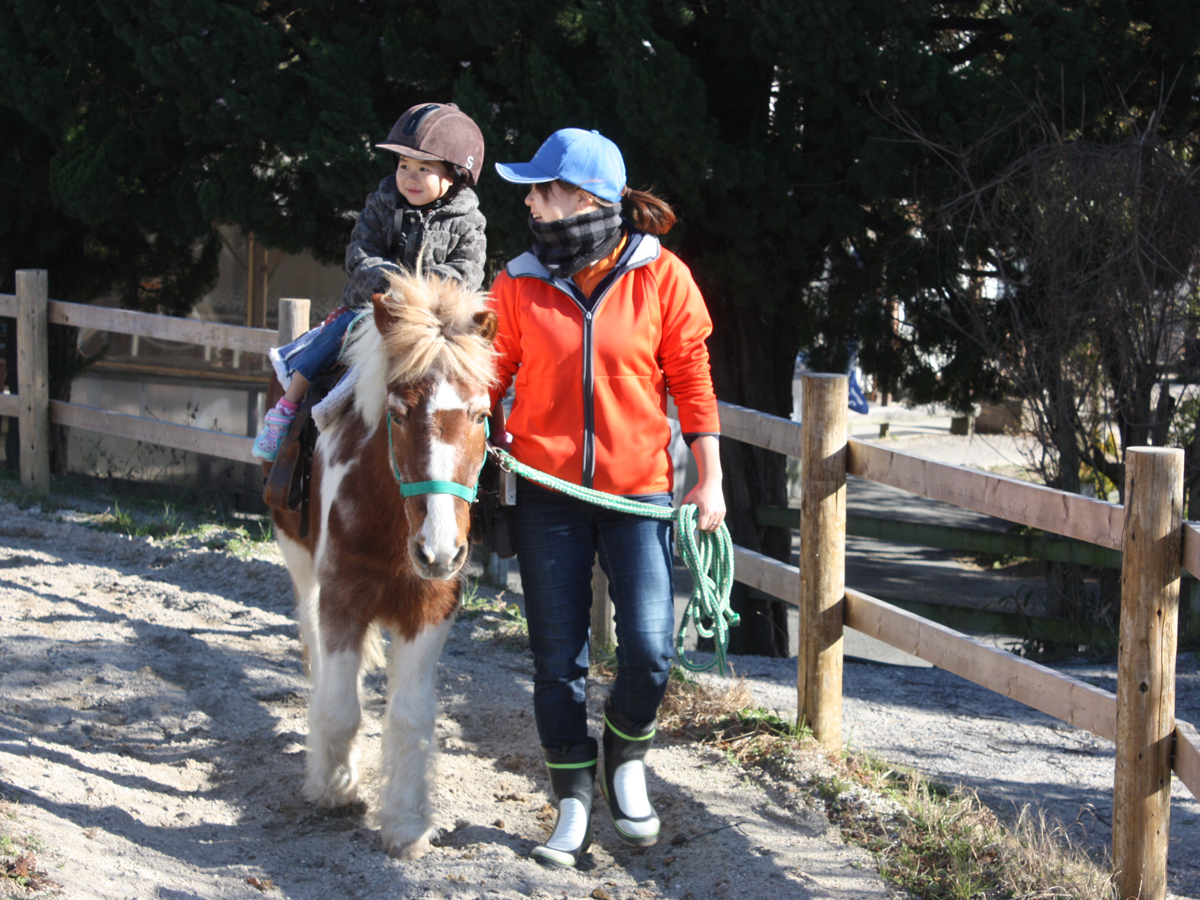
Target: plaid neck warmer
(572, 244)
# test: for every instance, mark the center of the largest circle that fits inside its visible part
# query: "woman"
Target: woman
(598, 322)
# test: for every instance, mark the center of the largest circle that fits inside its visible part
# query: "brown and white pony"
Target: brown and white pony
(372, 557)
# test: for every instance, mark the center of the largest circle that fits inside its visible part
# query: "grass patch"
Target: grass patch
(20, 875)
(935, 842)
(497, 621)
(167, 523)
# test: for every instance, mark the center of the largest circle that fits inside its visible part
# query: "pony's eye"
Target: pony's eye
(481, 418)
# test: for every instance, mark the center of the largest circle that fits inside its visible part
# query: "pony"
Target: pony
(393, 477)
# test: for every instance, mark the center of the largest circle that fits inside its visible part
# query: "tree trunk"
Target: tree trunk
(752, 367)
(66, 364)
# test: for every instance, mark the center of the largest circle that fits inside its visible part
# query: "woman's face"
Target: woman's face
(551, 202)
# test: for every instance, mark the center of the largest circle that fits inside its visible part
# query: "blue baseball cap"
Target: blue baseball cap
(586, 159)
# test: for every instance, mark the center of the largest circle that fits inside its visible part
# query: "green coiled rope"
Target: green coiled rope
(708, 556)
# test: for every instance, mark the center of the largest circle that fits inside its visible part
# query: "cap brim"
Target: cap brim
(409, 152)
(523, 173)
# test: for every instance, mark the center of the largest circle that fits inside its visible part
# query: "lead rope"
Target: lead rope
(708, 556)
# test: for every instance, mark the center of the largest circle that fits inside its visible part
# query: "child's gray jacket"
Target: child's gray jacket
(449, 236)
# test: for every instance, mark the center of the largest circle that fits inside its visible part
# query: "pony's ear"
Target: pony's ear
(487, 325)
(384, 320)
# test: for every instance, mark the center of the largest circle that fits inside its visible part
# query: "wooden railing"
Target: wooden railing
(35, 411)
(1154, 543)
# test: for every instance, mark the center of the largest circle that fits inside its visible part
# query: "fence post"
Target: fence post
(822, 555)
(1146, 670)
(293, 318)
(33, 378)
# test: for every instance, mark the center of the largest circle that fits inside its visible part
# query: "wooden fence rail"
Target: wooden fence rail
(35, 411)
(1139, 718)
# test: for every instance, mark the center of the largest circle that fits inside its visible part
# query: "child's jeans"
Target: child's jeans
(314, 351)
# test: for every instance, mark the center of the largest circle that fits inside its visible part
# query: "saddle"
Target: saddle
(285, 481)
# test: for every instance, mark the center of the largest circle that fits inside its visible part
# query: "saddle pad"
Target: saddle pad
(326, 412)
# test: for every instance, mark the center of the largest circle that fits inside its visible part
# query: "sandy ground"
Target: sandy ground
(152, 722)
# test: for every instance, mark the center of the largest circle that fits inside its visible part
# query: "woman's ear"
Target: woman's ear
(584, 202)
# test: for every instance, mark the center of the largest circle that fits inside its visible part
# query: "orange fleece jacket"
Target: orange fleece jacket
(591, 386)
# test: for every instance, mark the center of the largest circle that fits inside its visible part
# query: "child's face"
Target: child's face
(422, 181)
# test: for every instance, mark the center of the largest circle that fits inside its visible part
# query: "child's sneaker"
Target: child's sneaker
(275, 425)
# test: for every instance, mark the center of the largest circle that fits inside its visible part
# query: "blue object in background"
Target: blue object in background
(858, 402)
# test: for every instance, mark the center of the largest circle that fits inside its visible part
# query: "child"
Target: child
(427, 212)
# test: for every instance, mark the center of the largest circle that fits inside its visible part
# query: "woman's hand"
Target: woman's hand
(707, 494)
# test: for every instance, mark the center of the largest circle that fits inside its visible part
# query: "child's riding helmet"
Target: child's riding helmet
(439, 131)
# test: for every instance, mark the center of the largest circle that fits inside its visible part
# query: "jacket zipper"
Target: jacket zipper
(569, 288)
(589, 368)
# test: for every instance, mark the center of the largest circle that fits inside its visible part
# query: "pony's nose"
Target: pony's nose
(431, 564)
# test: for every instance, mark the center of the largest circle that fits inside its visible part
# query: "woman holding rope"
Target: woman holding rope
(598, 322)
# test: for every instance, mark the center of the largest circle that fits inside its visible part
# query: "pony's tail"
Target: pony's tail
(373, 653)
(650, 214)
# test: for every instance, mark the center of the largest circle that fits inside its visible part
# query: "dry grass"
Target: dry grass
(21, 876)
(936, 843)
(498, 621)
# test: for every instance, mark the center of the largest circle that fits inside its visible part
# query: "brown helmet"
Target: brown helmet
(439, 131)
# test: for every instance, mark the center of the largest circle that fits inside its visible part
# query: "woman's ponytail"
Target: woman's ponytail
(650, 214)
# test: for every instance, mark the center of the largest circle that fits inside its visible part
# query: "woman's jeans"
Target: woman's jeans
(557, 539)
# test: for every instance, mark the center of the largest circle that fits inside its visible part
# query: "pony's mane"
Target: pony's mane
(434, 328)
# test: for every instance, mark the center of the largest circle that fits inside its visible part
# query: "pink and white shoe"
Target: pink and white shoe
(275, 425)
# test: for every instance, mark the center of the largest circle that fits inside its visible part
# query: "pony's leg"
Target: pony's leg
(299, 562)
(334, 716)
(406, 817)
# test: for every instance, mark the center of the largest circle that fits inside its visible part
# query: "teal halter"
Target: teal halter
(434, 487)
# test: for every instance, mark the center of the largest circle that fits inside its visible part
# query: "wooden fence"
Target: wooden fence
(1155, 544)
(1147, 531)
(35, 411)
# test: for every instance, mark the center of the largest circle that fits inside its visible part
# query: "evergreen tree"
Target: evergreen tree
(134, 129)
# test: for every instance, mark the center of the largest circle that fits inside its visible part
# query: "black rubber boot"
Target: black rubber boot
(624, 780)
(573, 780)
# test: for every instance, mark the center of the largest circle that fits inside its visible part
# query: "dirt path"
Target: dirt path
(152, 722)
(152, 704)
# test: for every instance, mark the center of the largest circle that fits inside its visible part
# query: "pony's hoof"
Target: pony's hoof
(414, 850)
(340, 790)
